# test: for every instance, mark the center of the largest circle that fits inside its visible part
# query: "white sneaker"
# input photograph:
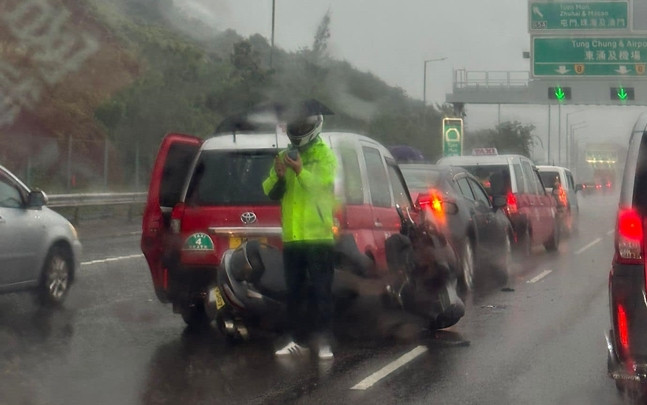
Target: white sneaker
(291, 348)
(325, 353)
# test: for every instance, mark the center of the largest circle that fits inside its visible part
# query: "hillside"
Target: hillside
(124, 73)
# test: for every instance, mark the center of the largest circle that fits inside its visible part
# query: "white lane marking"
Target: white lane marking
(369, 381)
(577, 252)
(611, 231)
(539, 276)
(111, 259)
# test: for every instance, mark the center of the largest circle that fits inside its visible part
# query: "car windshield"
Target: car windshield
(484, 173)
(230, 178)
(420, 179)
(151, 125)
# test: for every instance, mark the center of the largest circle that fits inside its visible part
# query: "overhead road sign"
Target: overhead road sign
(577, 15)
(589, 56)
(452, 136)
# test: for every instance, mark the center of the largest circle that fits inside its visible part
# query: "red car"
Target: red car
(205, 197)
(531, 210)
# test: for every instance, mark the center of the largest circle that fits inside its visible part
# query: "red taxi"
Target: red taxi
(205, 197)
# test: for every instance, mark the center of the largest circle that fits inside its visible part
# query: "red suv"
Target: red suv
(627, 339)
(205, 197)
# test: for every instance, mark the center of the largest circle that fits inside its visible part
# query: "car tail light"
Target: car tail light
(433, 202)
(176, 218)
(561, 195)
(511, 207)
(623, 327)
(424, 201)
(629, 237)
(337, 221)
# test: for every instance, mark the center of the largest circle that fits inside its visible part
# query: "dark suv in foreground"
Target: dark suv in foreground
(627, 339)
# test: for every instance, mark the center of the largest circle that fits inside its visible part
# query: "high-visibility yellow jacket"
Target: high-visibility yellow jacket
(309, 199)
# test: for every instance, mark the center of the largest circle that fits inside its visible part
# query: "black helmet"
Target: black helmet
(302, 131)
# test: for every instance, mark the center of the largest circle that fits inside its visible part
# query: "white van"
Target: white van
(568, 192)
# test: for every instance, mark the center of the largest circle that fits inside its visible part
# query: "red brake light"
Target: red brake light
(623, 328)
(436, 202)
(629, 236)
(512, 203)
(424, 201)
(562, 196)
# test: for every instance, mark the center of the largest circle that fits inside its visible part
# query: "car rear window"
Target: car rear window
(549, 178)
(420, 178)
(484, 174)
(230, 178)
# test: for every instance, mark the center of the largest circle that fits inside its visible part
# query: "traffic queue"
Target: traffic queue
(212, 235)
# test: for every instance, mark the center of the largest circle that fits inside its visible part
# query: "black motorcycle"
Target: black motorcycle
(251, 291)
(424, 272)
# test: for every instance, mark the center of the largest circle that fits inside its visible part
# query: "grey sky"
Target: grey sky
(393, 38)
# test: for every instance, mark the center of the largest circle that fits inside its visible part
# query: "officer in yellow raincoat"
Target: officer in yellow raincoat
(302, 178)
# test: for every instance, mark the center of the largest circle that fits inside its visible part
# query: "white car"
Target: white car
(567, 192)
(39, 248)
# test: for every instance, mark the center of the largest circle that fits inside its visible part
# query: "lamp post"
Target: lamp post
(573, 149)
(568, 135)
(424, 91)
(424, 80)
(272, 40)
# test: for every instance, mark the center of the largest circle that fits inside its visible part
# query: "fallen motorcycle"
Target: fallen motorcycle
(251, 291)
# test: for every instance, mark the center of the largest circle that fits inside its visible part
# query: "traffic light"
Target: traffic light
(559, 93)
(622, 93)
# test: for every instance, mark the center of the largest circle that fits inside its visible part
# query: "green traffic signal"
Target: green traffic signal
(559, 93)
(622, 93)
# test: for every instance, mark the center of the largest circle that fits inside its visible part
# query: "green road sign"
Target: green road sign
(452, 136)
(579, 15)
(588, 56)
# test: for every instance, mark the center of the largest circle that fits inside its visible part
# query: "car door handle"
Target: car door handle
(377, 224)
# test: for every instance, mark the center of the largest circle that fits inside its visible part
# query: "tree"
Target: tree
(507, 137)
(322, 35)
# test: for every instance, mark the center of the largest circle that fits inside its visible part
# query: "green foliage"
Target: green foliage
(189, 85)
(322, 35)
(507, 137)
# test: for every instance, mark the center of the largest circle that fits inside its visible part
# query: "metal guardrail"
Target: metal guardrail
(88, 199)
(79, 200)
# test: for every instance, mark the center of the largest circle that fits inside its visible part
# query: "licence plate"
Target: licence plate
(234, 241)
(214, 295)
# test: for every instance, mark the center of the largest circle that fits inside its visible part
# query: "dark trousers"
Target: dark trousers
(309, 270)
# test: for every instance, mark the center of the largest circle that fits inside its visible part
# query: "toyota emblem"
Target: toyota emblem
(248, 217)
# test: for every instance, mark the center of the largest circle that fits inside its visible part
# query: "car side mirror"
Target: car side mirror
(499, 201)
(36, 199)
(579, 187)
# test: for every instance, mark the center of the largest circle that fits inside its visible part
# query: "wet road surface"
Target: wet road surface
(540, 341)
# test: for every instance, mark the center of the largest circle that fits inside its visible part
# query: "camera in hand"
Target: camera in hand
(293, 154)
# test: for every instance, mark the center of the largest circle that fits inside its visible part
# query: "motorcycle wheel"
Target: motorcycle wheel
(195, 315)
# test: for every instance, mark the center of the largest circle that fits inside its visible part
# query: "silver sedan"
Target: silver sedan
(39, 248)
